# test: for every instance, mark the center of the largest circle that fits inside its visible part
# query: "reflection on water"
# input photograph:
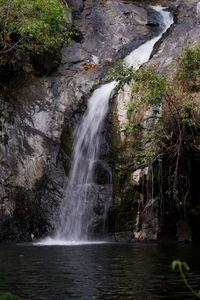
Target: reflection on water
(101, 271)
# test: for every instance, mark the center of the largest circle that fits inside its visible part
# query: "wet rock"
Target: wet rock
(74, 54)
(46, 62)
(116, 23)
(102, 199)
(123, 236)
(138, 175)
(183, 33)
(150, 23)
(123, 98)
(30, 155)
(148, 227)
(76, 6)
(184, 231)
(102, 173)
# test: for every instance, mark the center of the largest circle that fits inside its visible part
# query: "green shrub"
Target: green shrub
(152, 86)
(189, 68)
(33, 26)
(161, 128)
(120, 72)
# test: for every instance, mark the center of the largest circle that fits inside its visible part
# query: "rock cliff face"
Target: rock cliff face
(136, 214)
(38, 114)
(40, 111)
(185, 33)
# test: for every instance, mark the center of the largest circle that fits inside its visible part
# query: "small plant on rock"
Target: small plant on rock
(189, 68)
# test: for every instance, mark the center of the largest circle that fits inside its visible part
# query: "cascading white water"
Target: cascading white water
(142, 54)
(75, 217)
(76, 212)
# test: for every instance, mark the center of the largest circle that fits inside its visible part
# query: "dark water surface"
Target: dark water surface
(103, 271)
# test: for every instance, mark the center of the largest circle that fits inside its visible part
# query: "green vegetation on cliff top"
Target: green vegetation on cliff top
(33, 26)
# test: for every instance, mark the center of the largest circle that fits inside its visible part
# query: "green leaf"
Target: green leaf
(175, 263)
(185, 265)
(198, 294)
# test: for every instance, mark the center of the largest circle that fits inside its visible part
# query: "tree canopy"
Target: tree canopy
(33, 26)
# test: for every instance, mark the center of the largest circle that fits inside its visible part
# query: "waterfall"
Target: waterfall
(142, 54)
(76, 217)
(77, 209)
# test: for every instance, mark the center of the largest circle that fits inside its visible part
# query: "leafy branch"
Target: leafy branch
(184, 266)
(162, 126)
(33, 26)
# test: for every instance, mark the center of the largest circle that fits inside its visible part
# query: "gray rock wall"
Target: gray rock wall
(38, 115)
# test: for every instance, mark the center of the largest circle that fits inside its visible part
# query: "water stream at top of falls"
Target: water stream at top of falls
(77, 212)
